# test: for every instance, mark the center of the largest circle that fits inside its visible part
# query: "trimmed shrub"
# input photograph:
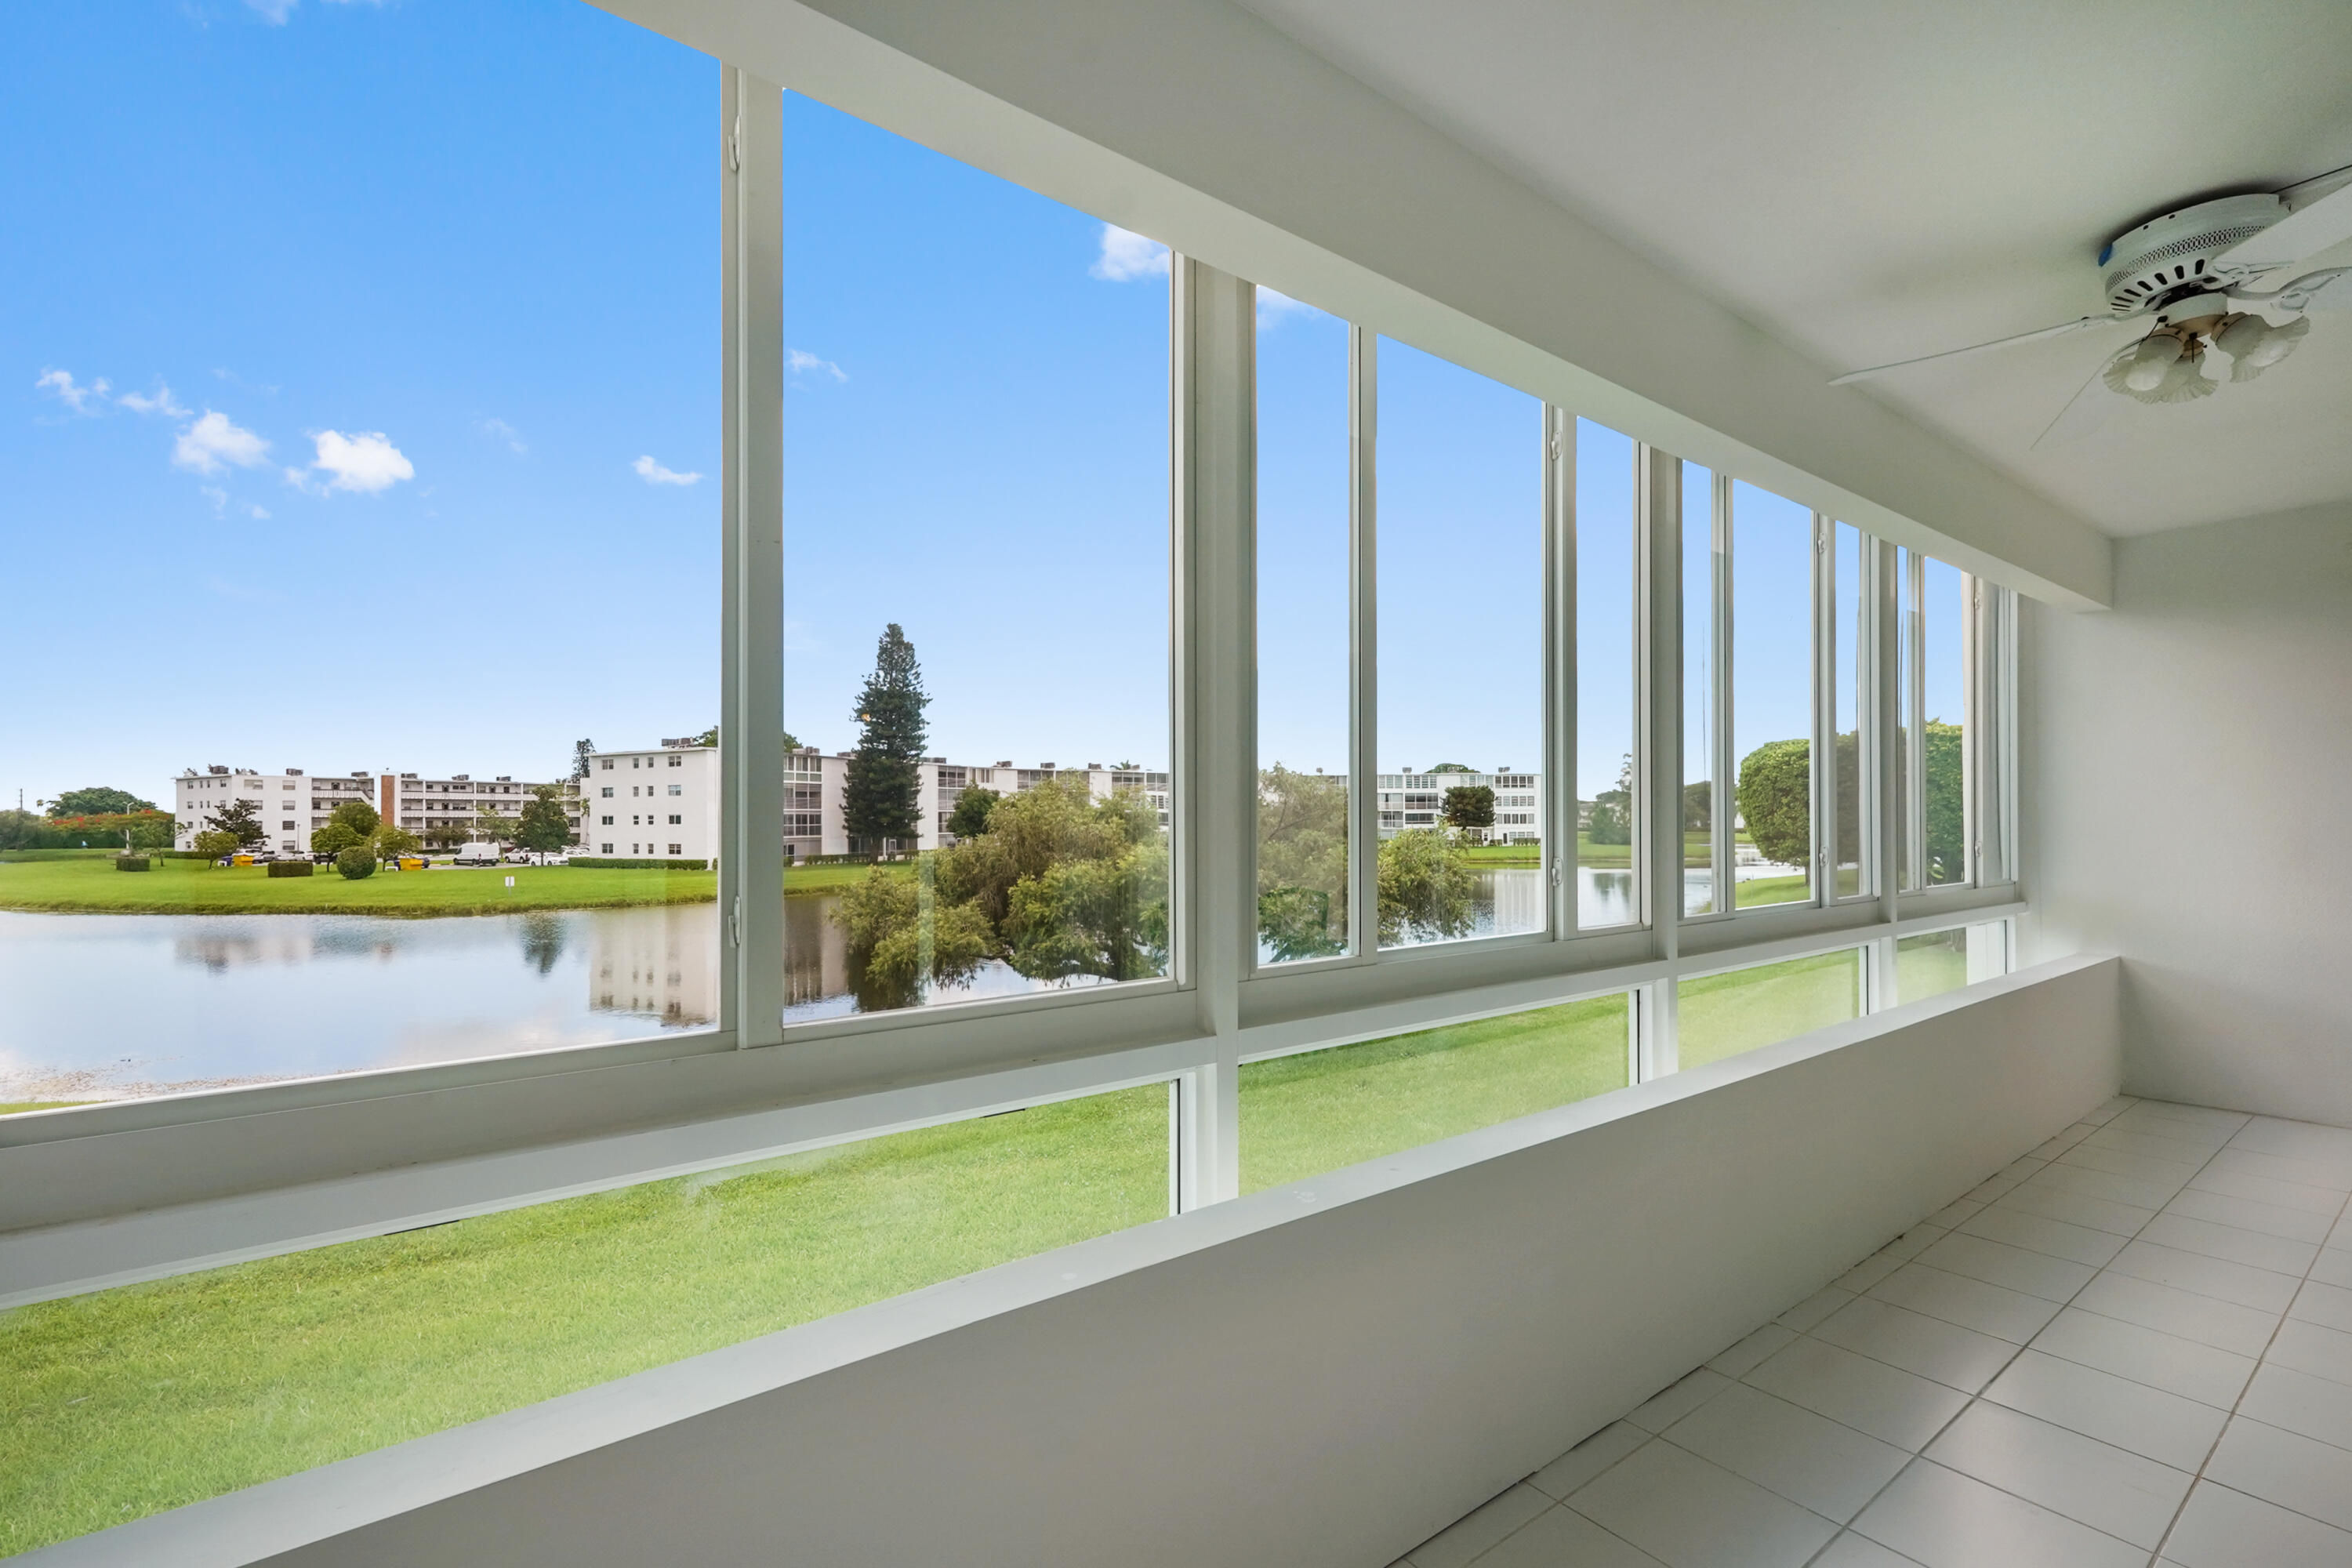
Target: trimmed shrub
(608, 864)
(356, 864)
(130, 862)
(291, 868)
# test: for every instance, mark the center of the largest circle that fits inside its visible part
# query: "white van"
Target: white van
(475, 854)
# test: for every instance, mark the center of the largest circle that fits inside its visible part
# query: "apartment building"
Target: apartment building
(1410, 800)
(664, 802)
(295, 804)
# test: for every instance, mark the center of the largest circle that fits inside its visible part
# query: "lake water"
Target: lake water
(120, 1004)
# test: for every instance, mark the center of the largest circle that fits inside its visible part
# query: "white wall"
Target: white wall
(1326, 1373)
(2189, 780)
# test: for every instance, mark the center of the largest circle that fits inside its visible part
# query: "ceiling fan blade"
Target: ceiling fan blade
(2084, 413)
(2306, 231)
(2059, 331)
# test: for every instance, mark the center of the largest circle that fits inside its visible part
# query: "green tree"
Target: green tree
(970, 817)
(1947, 802)
(97, 800)
(390, 843)
(1776, 799)
(1452, 768)
(1469, 807)
(491, 826)
(1425, 886)
(155, 833)
(583, 751)
(900, 935)
(1612, 818)
(356, 815)
(1302, 864)
(1698, 806)
(543, 827)
(241, 820)
(336, 836)
(212, 844)
(882, 796)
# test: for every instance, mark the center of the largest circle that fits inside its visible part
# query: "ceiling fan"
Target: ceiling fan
(2194, 271)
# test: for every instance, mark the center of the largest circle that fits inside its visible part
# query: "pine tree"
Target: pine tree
(240, 820)
(581, 752)
(883, 795)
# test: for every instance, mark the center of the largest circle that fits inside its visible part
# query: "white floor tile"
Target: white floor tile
(2194, 1271)
(2180, 1147)
(1954, 1212)
(2250, 1202)
(2264, 1189)
(2162, 1426)
(1459, 1542)
(1670, 1405)
(1740, 1360)
(2295, 1140)
(2298, 1402)
(2225, 1529)
(2171, 1173)
(2014, 1268)
(1688, 1514)
(2062, 1143)
(2333, 1266)
(2089, 1481)
(2185, 1367)
(2207, 1239)
(2342, 1235)
(1811, 1460)
(1957, 1357)
(2078, 1181)
(1560, 1538)
(2096, 1214)
(2327, 1175)
(1859, 1278)
(2285, 1467)
(1994, 1310)
(1885, 1402)
(2112, 1109)
(1945, 1519)
(2225, 1325)
(2329, 1306)
(2307, 1347)
(1991, 1187)
(1588, 1458)
(2199, 1116)
(2052, 1237)
(1814, 1308)
(1851, 1551)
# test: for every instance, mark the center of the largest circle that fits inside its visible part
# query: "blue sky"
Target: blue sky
(359, 407)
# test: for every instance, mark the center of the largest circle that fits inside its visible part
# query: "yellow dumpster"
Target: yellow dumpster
(410, 863)
(240, 860)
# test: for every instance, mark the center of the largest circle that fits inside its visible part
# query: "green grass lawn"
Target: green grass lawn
(1929, 966)
(11, 1106)
(1319, 1111)
(127, 1402)
(1724, 1015)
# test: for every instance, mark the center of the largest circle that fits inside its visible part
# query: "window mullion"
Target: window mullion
(1658, 743)
(1822, 753)
(751, 650)
(1915, 738)
(1723, 806)
(1363, 646)
(1559, 760)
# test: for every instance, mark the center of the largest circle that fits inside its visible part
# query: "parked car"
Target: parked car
(475, 854)
(539, 858)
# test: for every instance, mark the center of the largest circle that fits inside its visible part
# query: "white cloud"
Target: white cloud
(1127, 255)
(214, 494)
(1273, 306)
(160, 403)
(800, 360)
(499, 430)
(653, 473)
(212, 443)
(261, 513)
(274, 12)
(365, 461)
(70, 392)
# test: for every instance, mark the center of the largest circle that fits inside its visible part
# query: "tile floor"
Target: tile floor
(2131, 1347)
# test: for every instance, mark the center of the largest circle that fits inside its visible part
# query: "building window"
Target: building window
(1769, 774)
(676, 821)
(1607, 798)
(678, 789)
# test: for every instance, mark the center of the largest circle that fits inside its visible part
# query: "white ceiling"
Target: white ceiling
(1869, 182)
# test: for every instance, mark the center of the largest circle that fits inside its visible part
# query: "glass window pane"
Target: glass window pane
(1907, 742)
(130, 1401)
(971, 453)
(1606, 584)
(1700, 572)
(1722, 1015)
(1319, 1111)
(1852, 632)
(1460, 491)
(1303, 634)
(1772, 695)
(1944, 672)
(1930, 964)
(383, 377)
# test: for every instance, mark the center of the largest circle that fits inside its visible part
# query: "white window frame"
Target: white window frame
(238, 1173)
